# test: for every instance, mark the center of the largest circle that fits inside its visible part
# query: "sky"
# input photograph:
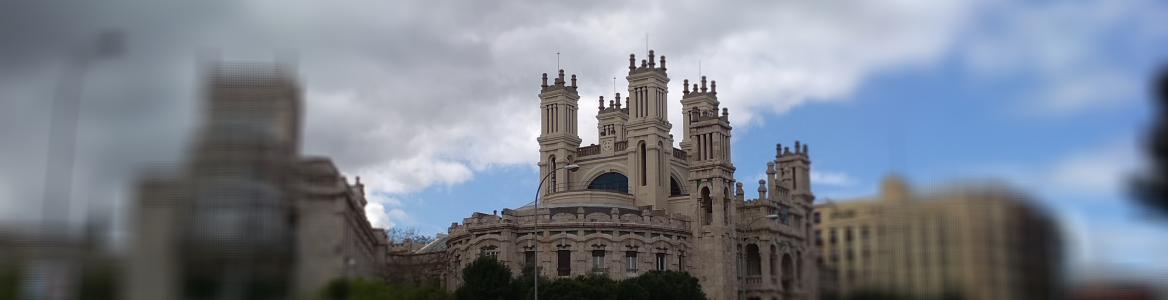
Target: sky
(434, 104)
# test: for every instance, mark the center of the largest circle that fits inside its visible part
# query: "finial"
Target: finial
(778, 150)
(797, 148)
(611, 103)
(663, 62)
(703, 84)
(714, 86)
(725, 112)
(762, 190)
(804, 149)
(685, 86)
(573, 80)
(626, 101)
(644, 63)
(738, 189)
(770, 167)
(651, 62)
(601, 106)
(358, 179)
(695, 88)
(632, 61)
(618, 106)
(544, 84)
(786, 151)
(560, 78)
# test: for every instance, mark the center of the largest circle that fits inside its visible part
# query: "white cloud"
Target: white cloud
(831, 178)
(375, 212)
(1103, 170)
(1080, 54)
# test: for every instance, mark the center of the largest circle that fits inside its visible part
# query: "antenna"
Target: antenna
(614, 86)
(699, 68)
(646, 42)
(558, 60)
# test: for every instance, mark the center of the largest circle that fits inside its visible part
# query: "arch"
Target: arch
(772, 261)
(552, 168)
(674, 187)
(610, 181)
(788, 272)
(707, 206)
(753, 260)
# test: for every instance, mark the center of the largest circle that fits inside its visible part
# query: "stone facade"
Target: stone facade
(246, 216)
(976, 241)
(638, 204)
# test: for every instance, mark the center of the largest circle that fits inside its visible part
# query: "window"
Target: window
(864, 232)
(489, 251)
(564, 265)
(597, 260)
(674, 187)
(611, 181)
(818, 238)
(681, 261)
(529, 258)
(644, 165)
(661, 262)
(816, 216)
(848, 234)
(631, 261)
(832, 238)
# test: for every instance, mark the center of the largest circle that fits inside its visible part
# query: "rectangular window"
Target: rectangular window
(660, 261)
(564, 265)
(681, 261)
(848, 234)
(529, 258)
(631, 261)
(597, 260)
(816, 216)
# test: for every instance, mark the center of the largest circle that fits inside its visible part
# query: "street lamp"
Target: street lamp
(63, 125)
(535, 254)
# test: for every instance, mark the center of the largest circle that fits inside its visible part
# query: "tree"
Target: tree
(486, 279)
(663, 285)
(1151, 189)
(358, 289)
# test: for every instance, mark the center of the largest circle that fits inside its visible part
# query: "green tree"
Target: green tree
(665, 285)
(486, 279)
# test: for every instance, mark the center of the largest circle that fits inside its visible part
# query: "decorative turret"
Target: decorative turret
(558, 139)
(795, 171)
(647, 131)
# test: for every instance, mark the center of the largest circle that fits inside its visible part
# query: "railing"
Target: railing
(679, 154)
(621, 146)
(588, 150)
(752, 281)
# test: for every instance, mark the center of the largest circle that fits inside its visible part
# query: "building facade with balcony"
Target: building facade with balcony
(634, 203)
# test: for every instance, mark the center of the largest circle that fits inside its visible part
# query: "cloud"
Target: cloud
(1080, 54)
(375, 212)
(831, 178)
(1104, 170)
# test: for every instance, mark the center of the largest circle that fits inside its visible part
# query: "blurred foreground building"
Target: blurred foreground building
(975, 242)
(634, 204)
(247, 217)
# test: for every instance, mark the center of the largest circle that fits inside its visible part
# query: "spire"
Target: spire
(652, 63)
(544, 84)
(714, 87)
(573, 80)
(632, 62)
(703, 84)
(684, 85)
(618, 104)
(663, 62)
(601, 105)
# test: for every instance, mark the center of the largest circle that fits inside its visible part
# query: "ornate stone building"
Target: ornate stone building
(636, 204)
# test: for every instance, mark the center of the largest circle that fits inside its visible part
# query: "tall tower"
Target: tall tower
(558, 139)
(794, 173)
(711, 174)
(648, 131)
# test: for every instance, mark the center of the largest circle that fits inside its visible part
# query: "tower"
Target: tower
(558, 139)
(711, 175)
(610, 123)
(794, 175)
(648, 131)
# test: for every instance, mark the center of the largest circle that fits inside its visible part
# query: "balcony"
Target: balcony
(752, 281)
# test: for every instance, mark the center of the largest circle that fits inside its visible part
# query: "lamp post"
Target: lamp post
(58, 182)
(535, 256)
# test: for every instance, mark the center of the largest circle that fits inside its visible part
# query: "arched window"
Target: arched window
(611, 181)
(644, 164)
(552, 167)
(707, 206)
(674, 187)
(753, 260)
(788, 272)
